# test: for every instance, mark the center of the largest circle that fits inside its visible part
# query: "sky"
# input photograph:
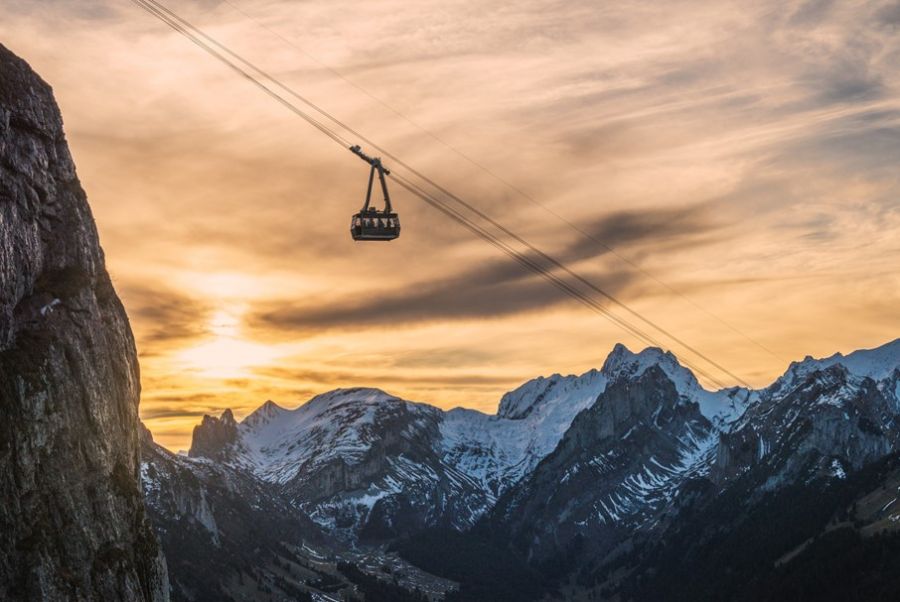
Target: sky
(734, 166)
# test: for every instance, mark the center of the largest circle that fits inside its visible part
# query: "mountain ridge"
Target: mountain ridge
(570, 468)
(347, 466)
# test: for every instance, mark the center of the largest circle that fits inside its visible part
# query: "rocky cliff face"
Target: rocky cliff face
(831, 422)
(72, 524)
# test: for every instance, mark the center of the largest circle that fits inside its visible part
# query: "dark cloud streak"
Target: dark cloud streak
(166, 316)
(502, 287)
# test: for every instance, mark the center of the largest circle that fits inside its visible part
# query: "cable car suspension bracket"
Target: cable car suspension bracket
(377, 166)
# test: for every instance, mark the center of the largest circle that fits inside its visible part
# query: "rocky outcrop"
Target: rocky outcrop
(72, 524)
(212, 437)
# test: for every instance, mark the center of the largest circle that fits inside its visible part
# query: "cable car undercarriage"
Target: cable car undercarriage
(370, 223)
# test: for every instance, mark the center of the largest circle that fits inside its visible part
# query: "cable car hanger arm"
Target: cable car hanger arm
(356, 150)
(376, 164)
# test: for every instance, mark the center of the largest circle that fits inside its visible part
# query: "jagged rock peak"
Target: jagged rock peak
(213, 436)
(620, 363)
(623, 362)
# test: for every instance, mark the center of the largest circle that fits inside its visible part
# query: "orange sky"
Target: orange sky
(742, 154)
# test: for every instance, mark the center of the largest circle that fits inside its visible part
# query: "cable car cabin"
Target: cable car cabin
(370, 223)
(375, 225)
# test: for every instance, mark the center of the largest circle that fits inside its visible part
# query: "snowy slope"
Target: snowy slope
(879, 364)
(629, 462)
(278, 444)
(366, 465)
(617, 469)
(497, 450)
(364, 461)
(531, 420)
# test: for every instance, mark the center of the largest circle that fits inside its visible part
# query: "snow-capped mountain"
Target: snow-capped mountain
(497, 450)
(625, 464)
(617, 467)
(359, 462)
(596, 464)
(822, 417)
(365, 463)
(880, 364)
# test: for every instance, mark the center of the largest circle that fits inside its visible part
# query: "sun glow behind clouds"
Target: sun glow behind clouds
(225, 354)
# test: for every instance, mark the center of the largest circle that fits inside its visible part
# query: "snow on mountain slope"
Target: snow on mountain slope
(277, 444)
(532, 419)
(879, 364)
(498, 450)
(359, 462)
(616, 470)
(366, 464)
(631, 461)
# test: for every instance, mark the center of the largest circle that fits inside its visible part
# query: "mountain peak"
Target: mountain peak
(519, 402)
(878, 363)
(620, 363)
(365, 395)
(263, 413)
(623, 362)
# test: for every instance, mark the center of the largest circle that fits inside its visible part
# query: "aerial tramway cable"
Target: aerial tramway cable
(186, 28)
(511, 186)
(210, 45)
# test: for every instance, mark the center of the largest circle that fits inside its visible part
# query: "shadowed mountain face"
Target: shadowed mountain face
(364, 464)
(224, 532)
(231, 536)
(72, 523)
(622, 469)
(643, 486)
(615, 470)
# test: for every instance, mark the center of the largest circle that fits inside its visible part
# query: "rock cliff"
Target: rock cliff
(72, 522)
